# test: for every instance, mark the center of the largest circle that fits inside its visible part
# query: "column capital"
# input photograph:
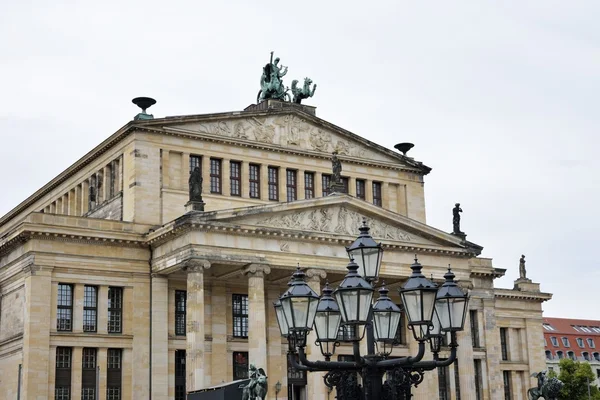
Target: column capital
(196, 265)
(259, 270)
(315, 274)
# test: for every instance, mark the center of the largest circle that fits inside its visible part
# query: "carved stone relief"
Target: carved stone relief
(339, 220)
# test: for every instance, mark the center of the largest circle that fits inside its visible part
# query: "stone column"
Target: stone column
(194, 362)
(106, 182)
(160, 337)
(85, 196)
(277, 361)
(102, 363)
(78, 293)
(257, 331)
(300, 184)
(282, 182)
(36, 333)
(219, 332)
(245, 179)
(465, 363)
(316, 388)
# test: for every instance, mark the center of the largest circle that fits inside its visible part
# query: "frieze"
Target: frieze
(338, 220)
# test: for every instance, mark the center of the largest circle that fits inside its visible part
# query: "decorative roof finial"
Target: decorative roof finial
(143, 103)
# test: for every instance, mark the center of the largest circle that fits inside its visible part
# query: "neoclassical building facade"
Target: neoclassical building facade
(111, 289)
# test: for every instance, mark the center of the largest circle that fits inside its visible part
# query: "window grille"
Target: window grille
(64, 317)
(240, 315)
(254, 181)
(235, 178)
(180, 311)
(115, 310)
(309, 185)
(90, 308)
(215, 176)
(273, 173)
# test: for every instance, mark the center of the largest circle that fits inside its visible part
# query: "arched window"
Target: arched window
(571, 355)
(560, 355)
(580, 342)
(586, 356)
(597, 356)
(548, 355)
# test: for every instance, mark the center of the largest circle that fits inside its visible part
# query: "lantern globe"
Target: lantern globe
(451, 304)
(354, 297)
(327, 322)
(366, 253)
(299, 304)
(386, 318)
(281, 321)
(418, 296)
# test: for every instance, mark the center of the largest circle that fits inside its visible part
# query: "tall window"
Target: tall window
(273, 183)
(111, 179)
(326, 182)
(240, 365)
(292, 193)
(596, 356)
(64, 312)
(456, 380)
(507, 386)
(400, 337)
(377, 199)
(444, 383)
(115, 309)
(215, 175)
(360, 189)
(62, 380)
(565, 342)
(195, 161)
(554, 341)
(345, 183)
(88, 374)
(180, 310)
(90, 308)
(240, 315)
(478, 380)
(113, 374)
(580, 342)
(254, 181)
(591, 343)
(474, 328)
(309, 185)
(503, 343)
(235, 168)
(180, 391)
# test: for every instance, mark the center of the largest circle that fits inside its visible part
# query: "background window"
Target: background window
(591, 343)
(195, 161)
(215, 176)
(254, 181)
(565, 342)
(326, 183)
(62, 380)
(180, 391)
(240, 365)
(309, 185)
(273, 173)
(345, 184)
(474, 328)
(90, 308)
(64, 317)
(88, 374)
(235, 178)
(180, 311)
(360, 189)
(240, 315)
(580, 342)
(554, 341)
(503, 343)
(377, 199)
(560, 355)
(548, 355)
(291, 194)
(115, 309)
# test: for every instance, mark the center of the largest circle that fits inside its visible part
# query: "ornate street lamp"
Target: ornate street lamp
(283, 326)
(451, 304)
(366, 253)
(327, 323)
(435, 335)
(299, 304)
(418, 296)
(386, 317)
(354, 297)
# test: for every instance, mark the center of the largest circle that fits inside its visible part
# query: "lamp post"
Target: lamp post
(432, 312)
(277, 389)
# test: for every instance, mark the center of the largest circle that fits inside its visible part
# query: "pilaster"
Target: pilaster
(276, 362)
(195, 356)
(257, 333)
(300, 184)
(219, 332)
(205, 174)
(160, 337)
(226, 176)
(318, 184)
(316, 388)
(185, 170)
(78, 292)
(103, 309)
(102, 363)
(76, 369)
(264, 182)
(369, 190)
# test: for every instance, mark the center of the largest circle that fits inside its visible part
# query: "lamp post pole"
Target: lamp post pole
(432, 313)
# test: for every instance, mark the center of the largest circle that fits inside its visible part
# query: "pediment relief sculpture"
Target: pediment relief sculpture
(340, 220)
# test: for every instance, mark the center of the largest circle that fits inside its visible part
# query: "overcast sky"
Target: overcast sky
(499, 98)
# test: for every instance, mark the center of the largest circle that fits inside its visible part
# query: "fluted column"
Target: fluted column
(316, 388)
(257, 331)
(195, 324)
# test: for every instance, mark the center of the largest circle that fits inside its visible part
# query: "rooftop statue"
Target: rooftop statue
(522, 270)
(195, 184)
(547, 388)
(257, 388)
(305, 92)
(456, 219)
(271, 84)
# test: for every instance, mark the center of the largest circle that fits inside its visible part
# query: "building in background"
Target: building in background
(577, 339)
(104, 268)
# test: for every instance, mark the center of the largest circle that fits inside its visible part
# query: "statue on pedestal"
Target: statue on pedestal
(456, 219)
(546, 388)
(195, 184)
(522, 270)
(257, 388)
(336, 185)
(271, 84)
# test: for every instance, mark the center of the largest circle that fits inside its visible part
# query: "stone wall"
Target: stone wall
(11, 314)
(110, 209)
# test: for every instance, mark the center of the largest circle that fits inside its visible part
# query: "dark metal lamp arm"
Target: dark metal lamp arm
(324, 365)
(404, 360)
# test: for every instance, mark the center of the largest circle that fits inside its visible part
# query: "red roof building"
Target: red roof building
(578, 339)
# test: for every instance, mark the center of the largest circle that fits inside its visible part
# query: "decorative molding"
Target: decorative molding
(256, 270)
(315, 274)
(196, 265)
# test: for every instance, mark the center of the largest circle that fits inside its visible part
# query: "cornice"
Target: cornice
(520, 295)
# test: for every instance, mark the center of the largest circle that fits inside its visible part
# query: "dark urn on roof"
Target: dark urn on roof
(404, 147)
(143, 103)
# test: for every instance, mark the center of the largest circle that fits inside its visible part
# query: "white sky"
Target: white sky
(500, 98)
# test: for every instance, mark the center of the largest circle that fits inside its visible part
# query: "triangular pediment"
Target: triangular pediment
(293, 130)
(338, 215)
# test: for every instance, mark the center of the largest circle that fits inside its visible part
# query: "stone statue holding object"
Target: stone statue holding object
(456, 220)
(195, 187)
(522, 270)
(336, 185)
(257, 387)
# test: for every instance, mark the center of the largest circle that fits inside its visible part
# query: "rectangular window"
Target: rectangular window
(580, 342)
(326, 182)
(113, 374)
(215, 176)
(504, 344)
(292, 193)
(240, 315)
(456, 379)
(240, 365)
(309, 185)
(115, 309)
(64, 312)
(235, 168)
(180, 311)
(591, 343)
(195, 161)
(347, 332)
(345, 183)
(180, 391)
(62, 381)
(111, 179)
(444, 383)
(377, 199)
(360, 189)
(88, 374)
(474, 328)
(565, 341)
(554, 341)
(273, 183)
(90, 308)
(507, 385)
(478, 380)
(254, 181)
